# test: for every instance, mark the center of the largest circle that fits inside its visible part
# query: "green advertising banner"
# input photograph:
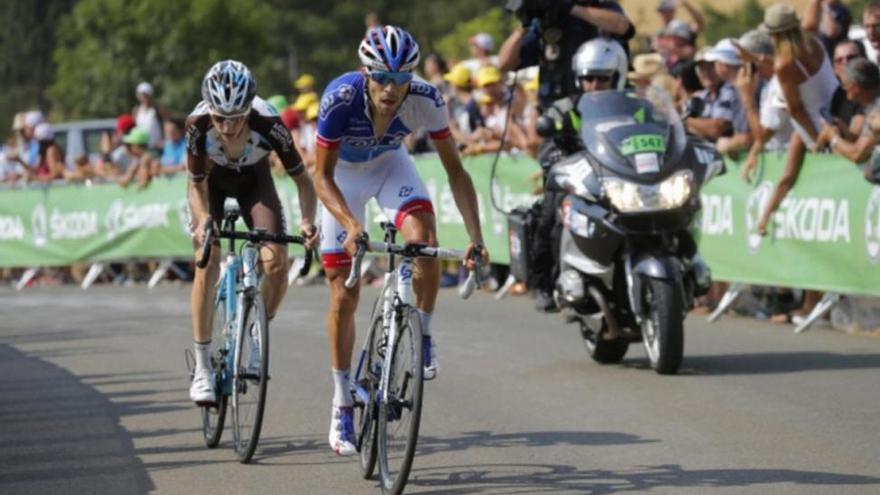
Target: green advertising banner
(824, 236)
(62, 224)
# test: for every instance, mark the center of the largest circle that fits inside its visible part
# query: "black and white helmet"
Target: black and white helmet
(601, 57)
(229, 88)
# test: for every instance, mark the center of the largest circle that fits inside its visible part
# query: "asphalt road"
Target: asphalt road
(93, 399)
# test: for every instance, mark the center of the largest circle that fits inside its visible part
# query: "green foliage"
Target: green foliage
(105, 47)
(720, 25)
(26, 43)
(496, 22)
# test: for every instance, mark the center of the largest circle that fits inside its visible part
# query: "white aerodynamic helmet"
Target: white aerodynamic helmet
(229, 88)
(389, 49)
(601, 57)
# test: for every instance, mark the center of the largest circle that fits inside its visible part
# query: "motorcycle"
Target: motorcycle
(629, 268)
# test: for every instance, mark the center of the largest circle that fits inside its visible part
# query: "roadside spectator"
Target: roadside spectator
(309, 134)
(829, 20)
(667, 9)
(114, 160)
(141, 160)
(871, 23)
(30, 148)
(50, 159)
(685, 82)
(371, 20)
(677, 42)
(481, 46)
(761, 96)
(849, 116)
(82, 171)
(650, 70)
(305, 87)
(173, 159)
(278, 102)
(861, 80)
(807, 80)
(488, 113)
(435, 67)
(11, 169)
(720, 98)
(145, 115)
(459, 80)
(727, 66)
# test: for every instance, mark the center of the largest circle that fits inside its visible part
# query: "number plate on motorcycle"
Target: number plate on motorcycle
(647, 163)
(643, 143)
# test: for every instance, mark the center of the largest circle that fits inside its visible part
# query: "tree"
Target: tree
(107, 46)
(720, 25)
(26, 44)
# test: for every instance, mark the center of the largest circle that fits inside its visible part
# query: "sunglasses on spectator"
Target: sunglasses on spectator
(383, 77)
(846, 58)
(595, 78)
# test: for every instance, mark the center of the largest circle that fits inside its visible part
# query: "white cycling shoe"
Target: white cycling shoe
(429, 358)
(202, 389)
(342, 437)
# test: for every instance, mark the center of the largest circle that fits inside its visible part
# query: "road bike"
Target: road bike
(241, 363)
(388, 382)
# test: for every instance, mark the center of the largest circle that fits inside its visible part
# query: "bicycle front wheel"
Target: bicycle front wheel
(400, 414)
(213, 417)
(250, 378)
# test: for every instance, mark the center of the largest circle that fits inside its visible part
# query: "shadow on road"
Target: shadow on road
(542, 478)
(60, 435)
(777, 362)
(487, 439)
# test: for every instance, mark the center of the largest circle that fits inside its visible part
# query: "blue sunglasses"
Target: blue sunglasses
(398, 78)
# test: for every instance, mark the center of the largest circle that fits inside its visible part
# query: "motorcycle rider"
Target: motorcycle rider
(599, 64)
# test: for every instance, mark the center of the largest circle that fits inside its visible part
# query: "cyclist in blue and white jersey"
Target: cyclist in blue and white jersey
(229, 138)
(363, 119)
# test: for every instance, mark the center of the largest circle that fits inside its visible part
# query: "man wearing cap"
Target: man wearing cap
(459, 80)
(481, 46)
(136, 145)
(305, 86)
(145, 115)
(676, 42)
(114, 160)
(727, 64)
(722, 101)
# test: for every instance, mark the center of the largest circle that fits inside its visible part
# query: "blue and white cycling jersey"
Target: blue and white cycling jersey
(344, 118)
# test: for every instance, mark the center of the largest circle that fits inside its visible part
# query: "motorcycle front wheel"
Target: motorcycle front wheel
(663, 327)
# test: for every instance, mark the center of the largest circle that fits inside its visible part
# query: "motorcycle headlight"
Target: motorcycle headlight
(630, 197)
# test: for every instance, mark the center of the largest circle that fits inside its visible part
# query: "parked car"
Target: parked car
(82, 137)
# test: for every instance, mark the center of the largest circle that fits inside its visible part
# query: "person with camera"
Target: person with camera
(550, 35)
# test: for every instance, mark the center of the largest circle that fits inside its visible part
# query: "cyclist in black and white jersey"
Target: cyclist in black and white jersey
(229, 137)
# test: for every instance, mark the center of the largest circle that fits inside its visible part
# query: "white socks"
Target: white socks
(202, 350)
(425, 320)
(342, 388)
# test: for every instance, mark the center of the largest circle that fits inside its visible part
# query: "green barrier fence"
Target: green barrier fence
(824, 236)
(63, 224)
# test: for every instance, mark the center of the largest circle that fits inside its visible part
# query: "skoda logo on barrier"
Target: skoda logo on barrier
(755, 205)
(40, 225)
(872, 226)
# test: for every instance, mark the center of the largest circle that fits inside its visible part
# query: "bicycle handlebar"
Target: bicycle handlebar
(255, 237)
(415, 251)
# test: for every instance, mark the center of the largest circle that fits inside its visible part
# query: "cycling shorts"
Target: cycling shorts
(392, 179)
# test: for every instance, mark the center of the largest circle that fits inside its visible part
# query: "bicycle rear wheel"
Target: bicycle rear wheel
(214, 417)
(399, 416)
(369, 380)
(250, 378)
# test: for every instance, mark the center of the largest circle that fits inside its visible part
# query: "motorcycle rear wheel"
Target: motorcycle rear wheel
(602, 351)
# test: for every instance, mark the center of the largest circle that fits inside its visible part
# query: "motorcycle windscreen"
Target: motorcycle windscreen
(640, 139)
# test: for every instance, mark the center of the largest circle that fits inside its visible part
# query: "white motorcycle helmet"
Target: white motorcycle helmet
(601, 57)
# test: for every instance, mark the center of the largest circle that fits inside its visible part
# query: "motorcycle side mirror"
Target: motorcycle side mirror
(695, 106)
